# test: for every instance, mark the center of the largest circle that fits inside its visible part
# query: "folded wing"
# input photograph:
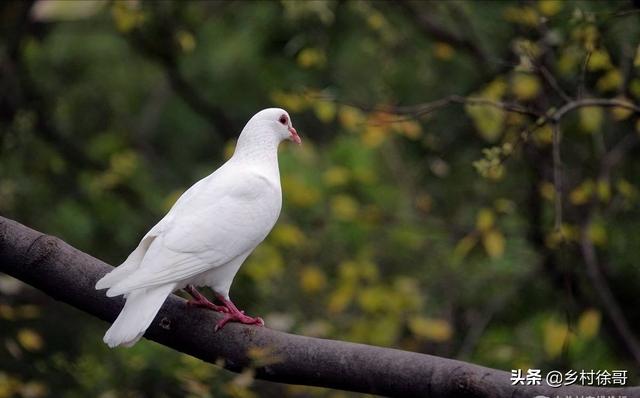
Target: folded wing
(204, 235)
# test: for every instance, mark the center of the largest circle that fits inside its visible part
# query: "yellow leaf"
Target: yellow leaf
(311, 57)
(626, 189)
(376, 20)
(287, 235)
(555, 337)
(443, 51)
(292, 102)
(568, 61)
(589, 323)
(488, 120)
(344, 207)
(186, 40)
(610, 81)
(494, 90)
(312, 279)
(464, 246)
(350, 117)
(9, 386)
(339, 299)
(372, 299)
(549, 7)
(30, 339)
(373, 136)
(547, 191)
(527, 16)
(636, 59)
(525, 87)
(604, 190)
(588, 35)
(7, 312)
(505, 206)
(298, 193)
(336, 176)
(127, 16)
(582, 193)
(409, 128)
(634, 87)
(597, 234)
(437, 330)
(599, 60)
(485, 219)
(325, 111)
(494, 243)
(591, 118)
(543, 136)
(64, 10)
(619, 112)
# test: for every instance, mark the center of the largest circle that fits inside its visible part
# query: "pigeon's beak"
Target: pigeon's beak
(294, 136)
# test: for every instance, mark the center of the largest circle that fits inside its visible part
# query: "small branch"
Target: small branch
(553, 83)
(69, 275)
(603, 102)
(429, 107)
(583, 75)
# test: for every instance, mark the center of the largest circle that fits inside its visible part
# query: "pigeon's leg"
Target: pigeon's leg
(201, 301)
(235, 315)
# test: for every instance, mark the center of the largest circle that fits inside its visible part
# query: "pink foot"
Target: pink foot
(201, 301)
(235, 315)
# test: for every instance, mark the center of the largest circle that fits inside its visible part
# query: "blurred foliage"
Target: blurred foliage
(389, 233)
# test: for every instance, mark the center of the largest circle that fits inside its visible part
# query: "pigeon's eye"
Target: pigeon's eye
(283, 119)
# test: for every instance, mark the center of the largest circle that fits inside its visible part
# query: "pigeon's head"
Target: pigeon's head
(277, 122)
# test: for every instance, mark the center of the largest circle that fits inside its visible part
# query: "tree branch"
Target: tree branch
(69, 275)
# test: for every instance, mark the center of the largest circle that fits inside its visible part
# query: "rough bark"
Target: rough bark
(69, 275)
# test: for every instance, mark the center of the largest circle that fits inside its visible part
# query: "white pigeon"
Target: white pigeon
(206, 236)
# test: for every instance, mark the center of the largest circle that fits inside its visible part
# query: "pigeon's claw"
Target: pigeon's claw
(201, 301)
(237, 317)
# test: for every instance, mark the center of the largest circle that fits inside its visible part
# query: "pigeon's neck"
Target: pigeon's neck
(258, 149)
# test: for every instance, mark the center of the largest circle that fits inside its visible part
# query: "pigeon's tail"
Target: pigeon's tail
(136, 316)
(131, 264)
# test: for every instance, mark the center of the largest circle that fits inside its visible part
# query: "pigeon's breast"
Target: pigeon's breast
(266, 201)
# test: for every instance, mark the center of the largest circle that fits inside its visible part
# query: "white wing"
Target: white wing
(207, 230)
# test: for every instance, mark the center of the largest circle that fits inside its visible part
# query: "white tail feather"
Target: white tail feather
(130, 265)
(136, 316)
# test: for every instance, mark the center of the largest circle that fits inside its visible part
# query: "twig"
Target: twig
(553, 83)
(603, 102)
(583, 75)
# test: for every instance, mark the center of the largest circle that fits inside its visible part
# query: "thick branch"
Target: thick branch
(69, 275)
